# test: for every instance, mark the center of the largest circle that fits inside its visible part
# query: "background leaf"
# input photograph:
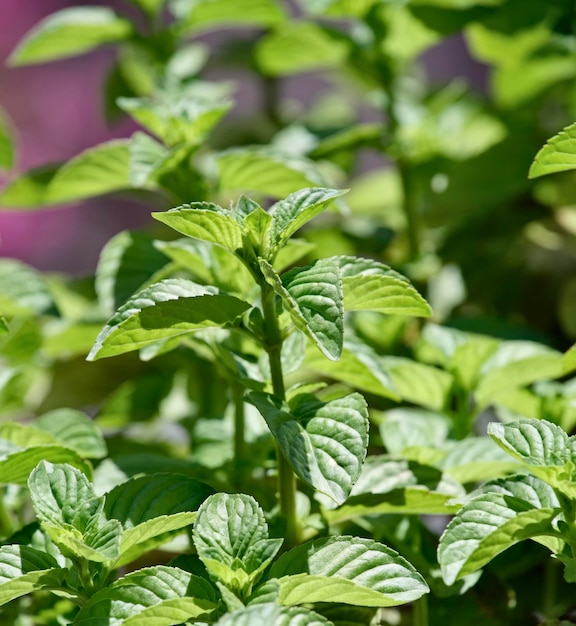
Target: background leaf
(69, 32)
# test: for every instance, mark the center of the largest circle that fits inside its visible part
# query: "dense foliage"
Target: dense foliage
(335, 395)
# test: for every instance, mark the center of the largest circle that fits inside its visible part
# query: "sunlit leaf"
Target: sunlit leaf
(69, 32)
(349, 570)
(269, 614)
(324, 442)
(558, 155)
(6, 143)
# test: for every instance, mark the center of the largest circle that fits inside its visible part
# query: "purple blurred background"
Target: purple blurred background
(57, 111)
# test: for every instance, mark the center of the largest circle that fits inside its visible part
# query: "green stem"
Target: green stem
(286, 477)
(550, 588)
(420, 612)
(239, 429)
(7, 526)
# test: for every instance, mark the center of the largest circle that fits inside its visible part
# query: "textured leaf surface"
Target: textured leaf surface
(166, 309)
(484, 528)
(75, 430)
(126, 262)
(534, 442)
(558, 155)
(324, 442)
(69, 32)
(300, 207)
(312, 295)
(146, 156)
(299, 47)
(96, 171)
(159, 596)
(24, 570)
(273, 615)
(349, 570)
(374, 286)
(204, 221)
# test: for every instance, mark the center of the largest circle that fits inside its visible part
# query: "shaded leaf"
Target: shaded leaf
(6, 143)
(22, 289)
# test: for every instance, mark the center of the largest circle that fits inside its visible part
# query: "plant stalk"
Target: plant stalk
(7, 526)
(420, 612)
(286, 477)
(239, 430)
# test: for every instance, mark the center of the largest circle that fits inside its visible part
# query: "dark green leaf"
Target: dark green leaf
(6, 143)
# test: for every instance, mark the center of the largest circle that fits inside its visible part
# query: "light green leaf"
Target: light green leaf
(149, 507)
(312, 295)
(262, 170)
(516, 364)
(300, 207)
(558, 155)
(28, 190)
(406, 36)
(75, 430)
(528, 488)
(96, 171)
(476, 459)
(24, 436)
(358, 366)
(324, 442)
(269, 614)
(6, 143)
(70, 340)
(166, 309)
(16, 466)
(69, 32)
(198, 15)
(161, 595)
(4, 328)
(488, 525)
(22, 289)
(146, 156)
(337, 8)
(204, 221)
(127, 262)
(515, 85)
(404, 428)
(349, 570)
(534, 442)
(231, 538)
(298, 47)
(180, 116)
(24, 570)
(458, 4)
(63, 497)
(372, 285)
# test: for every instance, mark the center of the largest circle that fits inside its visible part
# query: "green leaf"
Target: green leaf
(170, 308)
(96, 171)
(516, 364)
(75, 430)
(458, 4)
(337, 8)
(22, 289)
(196, 15)
(152, 507)
(24, 570)
(180, 116)
(558, 155)
(312, 295)
(15, 467)
(28, 191)
(269, 614)
(298, 47)
(325, 443)
(231, 538)
(6, 143)
(150, 6)
(358, 366)
(159, 595)
(204, 221)
(262, 170)
(349, 570)
(534, 442)
(69, 32)
(4, 328)
(146, 156)
(494, 521)
(405, 428)
(293, 212)
(127, 262)
(372, 285)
